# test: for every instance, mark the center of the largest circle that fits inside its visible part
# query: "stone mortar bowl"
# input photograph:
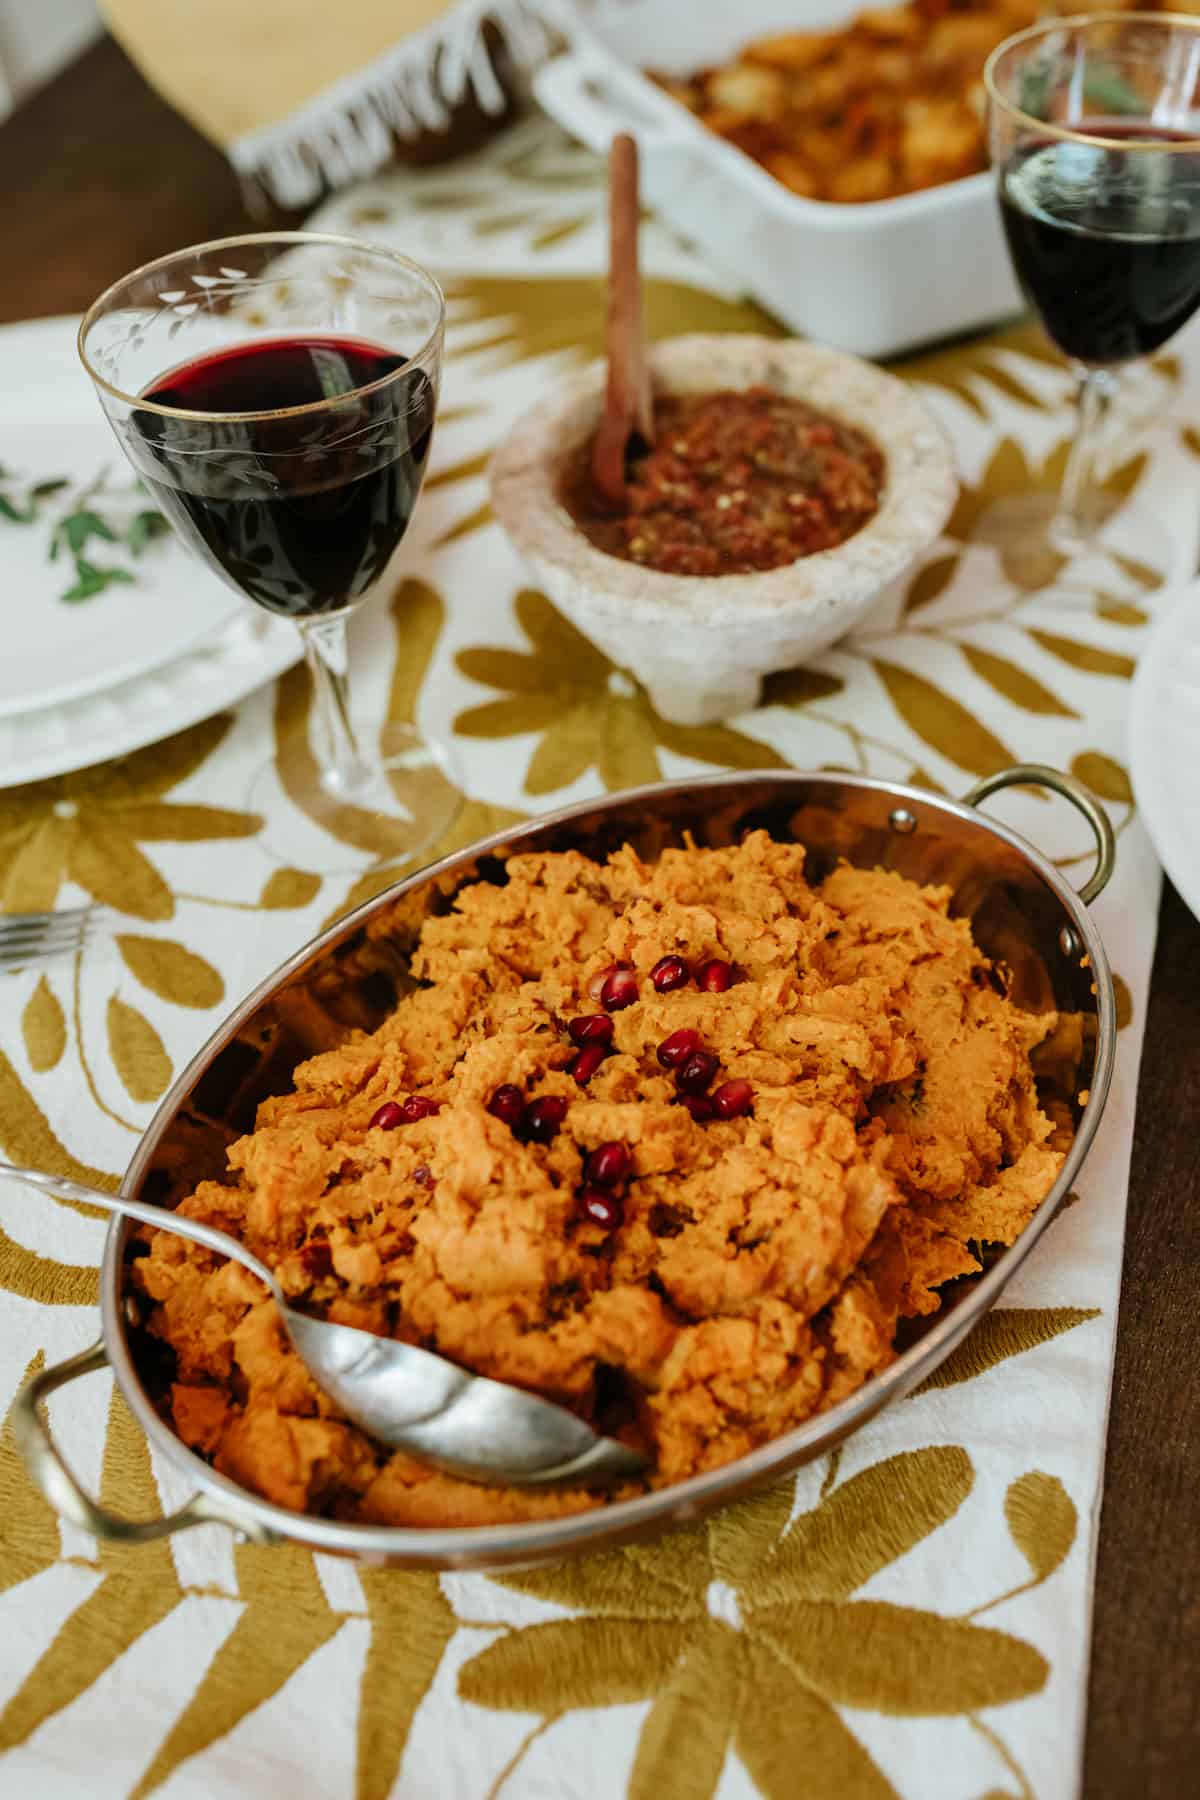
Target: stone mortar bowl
(701, 645)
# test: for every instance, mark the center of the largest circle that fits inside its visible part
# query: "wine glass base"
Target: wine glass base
(406, 803)
(1037, 543)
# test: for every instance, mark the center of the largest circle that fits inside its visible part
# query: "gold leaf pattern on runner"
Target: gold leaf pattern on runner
(681, 1749)
(942, 722)
(473, 521)
(1104, 775)
(742, 1539)
(137, 1051)
(86, 827)
(782, 1728)
(539, 316)
(929, 582)
(448, 473)
(589, 713)
(1089, 657)
(476, 819)
(138, 1590)
(917, 1665)
(43, 1278)
(1012, 487)
(1015, 683)
(284, 1620)
(1042, 1521)
(1005, 1332)
(1120, 612)
(960, 367)
(287, 888)
(31, 1535)
(1115, 486)
(559, 233)
(862, 1526)
(114, 872)
(1136, 570)
(27, 1138)
(43, 1027)
(411, 1624)
(803, 1647)
(172, 971)
(617, 1584)
(1124, 1001)
(556, 1666)
(921, 778)
(797, 687)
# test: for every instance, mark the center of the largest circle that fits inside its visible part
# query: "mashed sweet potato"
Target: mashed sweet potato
(717, 1279)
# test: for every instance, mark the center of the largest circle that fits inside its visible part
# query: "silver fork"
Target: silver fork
(27, 939)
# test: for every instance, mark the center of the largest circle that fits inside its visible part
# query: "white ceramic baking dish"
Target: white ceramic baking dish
(876, 278)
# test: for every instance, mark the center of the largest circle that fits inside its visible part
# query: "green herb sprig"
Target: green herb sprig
(80, 523)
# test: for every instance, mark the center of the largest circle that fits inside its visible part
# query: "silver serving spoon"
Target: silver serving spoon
(463, 1423)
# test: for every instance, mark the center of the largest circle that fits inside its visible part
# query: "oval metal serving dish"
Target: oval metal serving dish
(1022, 913)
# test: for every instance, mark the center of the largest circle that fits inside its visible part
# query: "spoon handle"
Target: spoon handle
(158, 1216)
(628, 407)
(627, 339)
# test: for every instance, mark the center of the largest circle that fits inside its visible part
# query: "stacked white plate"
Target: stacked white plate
(88, 679)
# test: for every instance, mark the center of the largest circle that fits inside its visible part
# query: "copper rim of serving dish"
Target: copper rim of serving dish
(1022, 911)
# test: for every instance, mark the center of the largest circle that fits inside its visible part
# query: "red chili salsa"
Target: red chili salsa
(736, 482)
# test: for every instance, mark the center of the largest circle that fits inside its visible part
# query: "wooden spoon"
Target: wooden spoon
(628, 404)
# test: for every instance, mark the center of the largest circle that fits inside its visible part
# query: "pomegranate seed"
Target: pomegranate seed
(715, 976)
(599, 1208)
(597, 981)
(387, 1116)
(732, 1099)
(593, 1028)
(678, 1047)
(669, 973)
(508, 1105)
(417, 1107)
(607, 1165)
(543, 1118)
(620, 990)
(699, 1105)
(423, 1175)
(584, 1066)
(694, 1075)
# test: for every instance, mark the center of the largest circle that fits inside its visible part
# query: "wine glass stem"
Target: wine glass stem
(1078, 512)
(344, 770)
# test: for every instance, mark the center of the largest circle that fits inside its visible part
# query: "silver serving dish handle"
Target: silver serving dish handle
(1068, 788)
(492, 1547)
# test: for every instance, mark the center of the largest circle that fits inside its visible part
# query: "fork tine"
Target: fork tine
(30, 938)
(38, 918)
(30, 921)
(67, 929)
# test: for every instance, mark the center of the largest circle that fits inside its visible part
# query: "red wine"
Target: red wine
(300, 511)
(1106, 242)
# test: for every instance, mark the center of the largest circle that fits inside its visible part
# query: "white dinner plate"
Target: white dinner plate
(1164, 742)
(254, 648)
(52, 428)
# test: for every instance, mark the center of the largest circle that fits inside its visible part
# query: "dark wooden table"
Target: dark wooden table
(99, 175)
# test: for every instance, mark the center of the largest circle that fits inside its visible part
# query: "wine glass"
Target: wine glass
(1095, 140)
(276, 395)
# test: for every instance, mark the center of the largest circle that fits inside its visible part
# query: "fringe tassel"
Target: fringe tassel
(346, 133)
